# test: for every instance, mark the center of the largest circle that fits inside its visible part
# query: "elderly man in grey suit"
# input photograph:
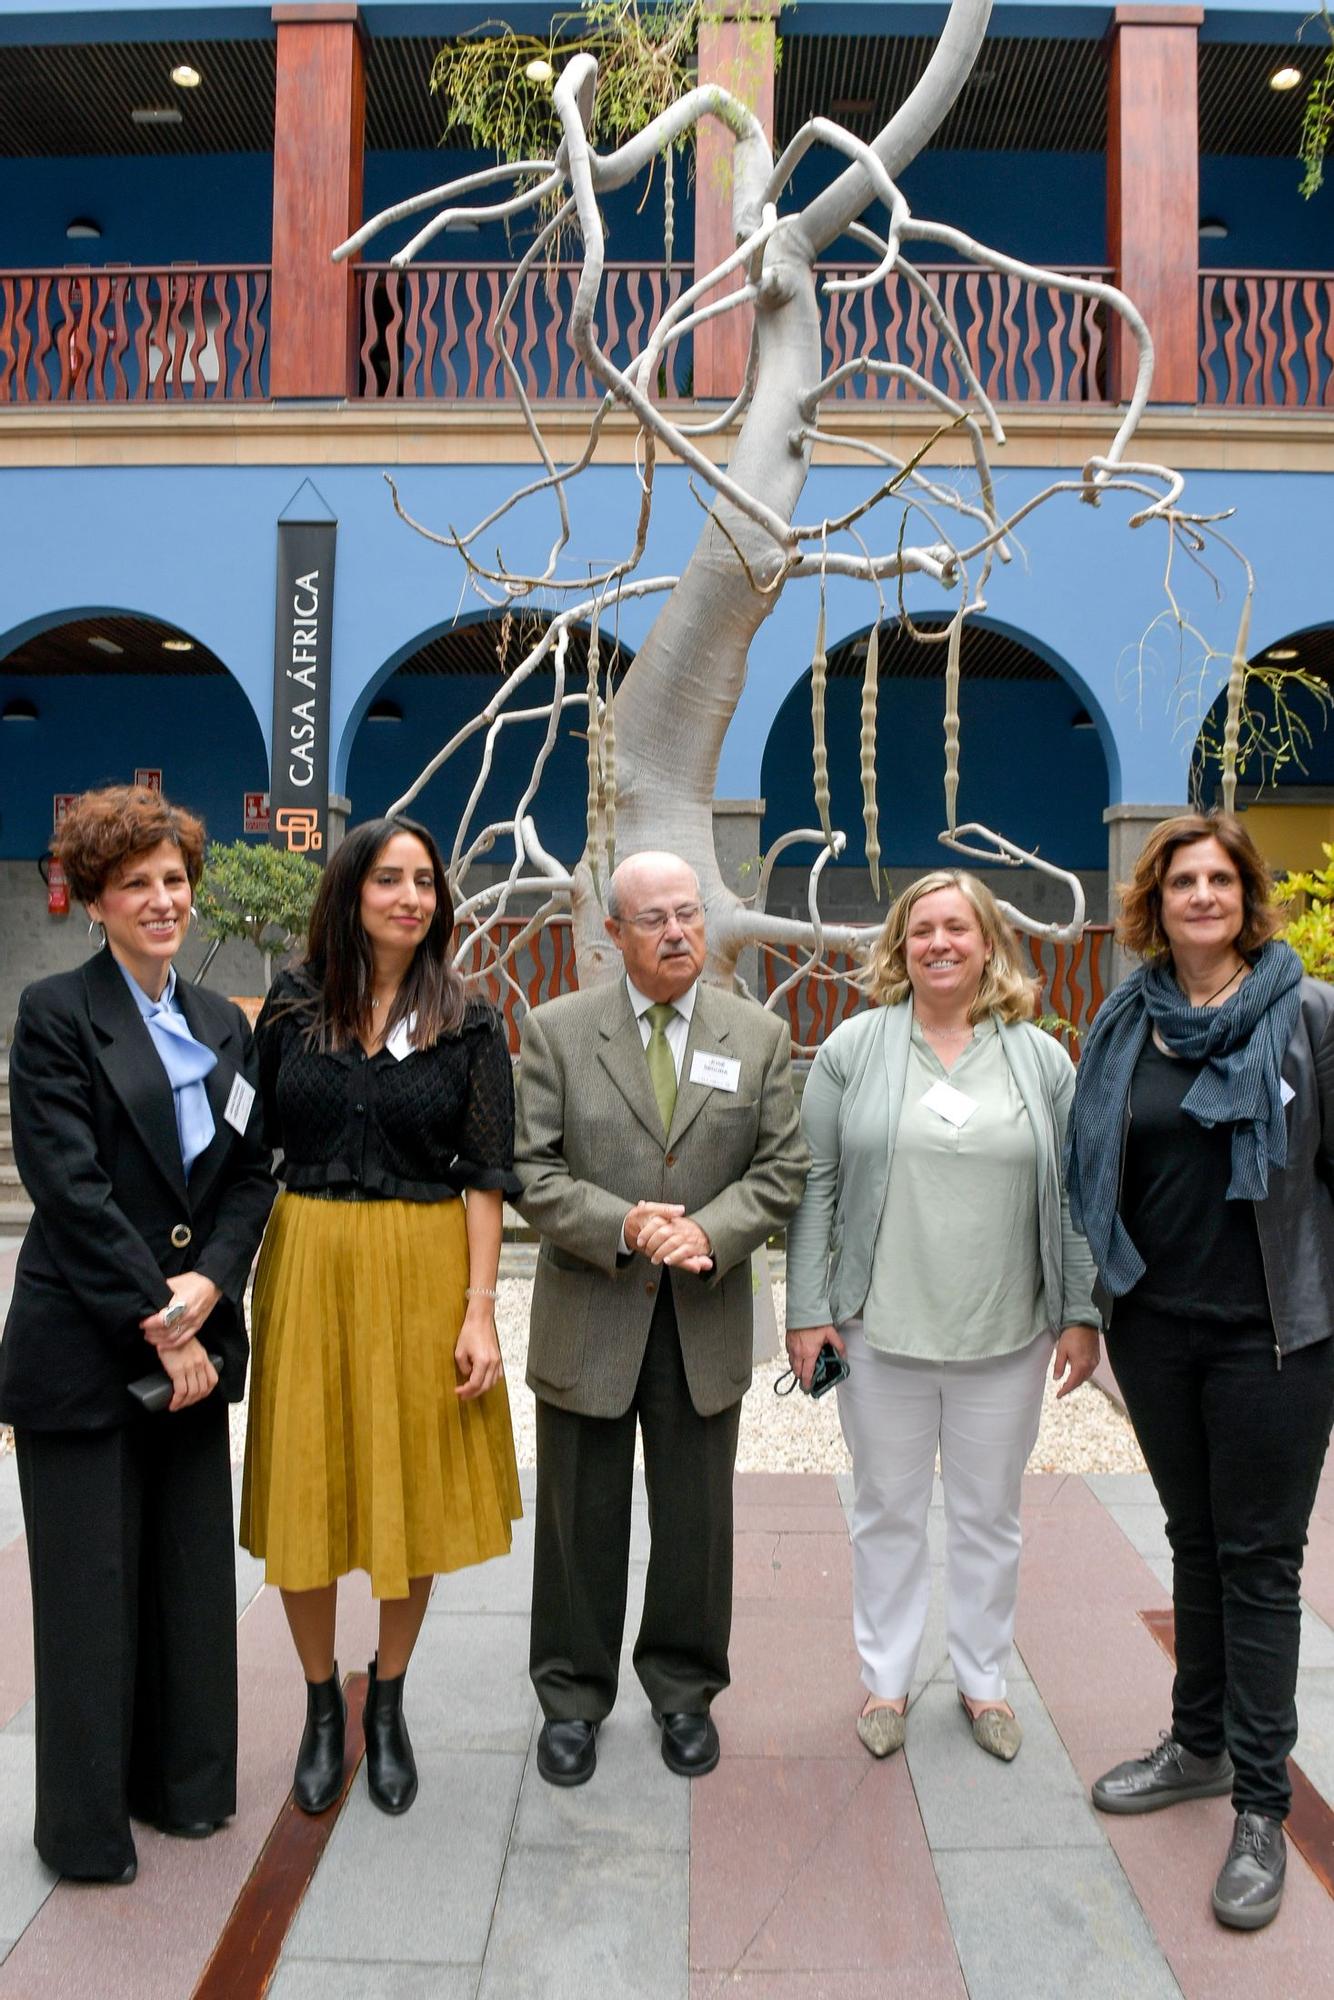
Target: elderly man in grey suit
(658, 1145)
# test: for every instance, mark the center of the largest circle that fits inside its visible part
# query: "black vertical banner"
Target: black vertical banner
(302, 662)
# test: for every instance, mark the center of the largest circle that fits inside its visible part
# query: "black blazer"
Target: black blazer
(96, 1144)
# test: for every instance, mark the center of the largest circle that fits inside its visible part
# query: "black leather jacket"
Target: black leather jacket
(1296, 1220)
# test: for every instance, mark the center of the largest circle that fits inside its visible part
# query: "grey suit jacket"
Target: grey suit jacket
(590, 1143)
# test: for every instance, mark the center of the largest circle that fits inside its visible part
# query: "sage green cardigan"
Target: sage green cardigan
(850, 1115)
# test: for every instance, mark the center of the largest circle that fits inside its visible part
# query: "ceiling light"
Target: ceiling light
(461, 225)
(1286, 78)
(83, 226)
(539, 70)
(178, 645)
(105, 645)
(384, 711)
(1281, 653)
(20, 709)
(186, 76)
(156, 114)
(1081, 719)
(1213, 226)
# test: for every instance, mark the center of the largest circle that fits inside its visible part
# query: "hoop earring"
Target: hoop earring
(95, 924)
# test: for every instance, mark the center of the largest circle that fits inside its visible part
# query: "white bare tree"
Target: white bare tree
(654, 742)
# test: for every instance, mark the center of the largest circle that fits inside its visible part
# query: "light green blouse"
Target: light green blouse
(956, 1273)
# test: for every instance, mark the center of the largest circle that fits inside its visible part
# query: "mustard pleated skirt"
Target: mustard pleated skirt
(359, 1454)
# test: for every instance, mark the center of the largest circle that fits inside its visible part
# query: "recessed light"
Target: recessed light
(539, 70)
(178, 645)
(1081, 719)
(186, 76)
(156, 114)
(1213, 226)
(83, 226)
(1281, 653)
(461, 225)
(20, 709)
(384, 711)
(1286, 78)
(105, 645)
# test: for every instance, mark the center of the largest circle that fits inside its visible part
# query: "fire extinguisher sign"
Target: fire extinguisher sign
(60, 805)
(255, 816)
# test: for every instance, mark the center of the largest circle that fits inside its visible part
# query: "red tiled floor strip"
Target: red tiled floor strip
(1310, 1825)
(246, 1955)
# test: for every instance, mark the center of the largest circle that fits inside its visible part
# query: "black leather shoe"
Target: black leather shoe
(567, 1752)
(391, 1770)
(126, 1876)
(318, 1778)
(1249, 1888)
(1166, 1777)
(690, 1744)
(188, 1829)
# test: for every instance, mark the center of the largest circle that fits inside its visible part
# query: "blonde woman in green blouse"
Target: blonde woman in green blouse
(934, 1248)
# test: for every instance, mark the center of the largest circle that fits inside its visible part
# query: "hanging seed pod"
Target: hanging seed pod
(594, 760)
(820, 758)
(870, 810)
(1236, 688)
(609, 776)
(952, 723)
(668, 209)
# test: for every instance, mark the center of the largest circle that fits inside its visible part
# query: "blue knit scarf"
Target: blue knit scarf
(1241, 1045)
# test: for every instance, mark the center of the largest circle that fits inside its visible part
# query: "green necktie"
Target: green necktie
(661, 1068)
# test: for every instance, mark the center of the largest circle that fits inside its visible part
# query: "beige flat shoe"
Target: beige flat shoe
(882, 1730)
(999, 1734)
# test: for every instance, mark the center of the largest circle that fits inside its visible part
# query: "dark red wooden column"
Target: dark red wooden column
(740, 56)
(318, 146)
(1153, 192)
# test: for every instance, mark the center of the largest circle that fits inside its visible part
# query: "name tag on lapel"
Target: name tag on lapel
(398, 1044)
(954, 1106)
(240, 1098)
(715, 1072)
(1285, 1091)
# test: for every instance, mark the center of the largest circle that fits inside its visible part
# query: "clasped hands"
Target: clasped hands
(193, 1375)
(665, 1234)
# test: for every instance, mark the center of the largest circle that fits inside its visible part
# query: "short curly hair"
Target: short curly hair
(105, 829)
(1140, 925)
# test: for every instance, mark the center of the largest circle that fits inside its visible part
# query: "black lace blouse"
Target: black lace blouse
(420, 1129)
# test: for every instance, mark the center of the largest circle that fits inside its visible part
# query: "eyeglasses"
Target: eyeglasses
(653, 921)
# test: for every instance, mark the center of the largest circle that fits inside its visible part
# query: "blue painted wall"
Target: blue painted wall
(1270, 227)
(214, 208)
(96, 729)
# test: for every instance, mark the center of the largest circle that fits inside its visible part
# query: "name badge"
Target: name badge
(1285, 1091)
(715, 1072)
(240, 1098)
(398, 1044)
(954, 1106)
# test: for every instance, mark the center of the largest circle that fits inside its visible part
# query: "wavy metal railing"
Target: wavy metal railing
(1267, 339)
(175, 333)
(1026, 343)
(426, 331)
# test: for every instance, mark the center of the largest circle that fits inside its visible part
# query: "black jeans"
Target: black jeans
(1235, 1446)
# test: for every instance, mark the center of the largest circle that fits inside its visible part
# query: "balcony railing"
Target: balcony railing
(426, 331)
(196, 333)
(1267, 339)
(1025, 343)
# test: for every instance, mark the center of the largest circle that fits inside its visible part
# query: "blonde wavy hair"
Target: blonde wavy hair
(1005, 989)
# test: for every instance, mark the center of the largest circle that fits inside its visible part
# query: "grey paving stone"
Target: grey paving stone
(1161, 1567)
(6, 1946)
(970, 1800)
(11, 1509)
(1132, 1489)
(468, 1685)
(632, 1800)
(362, 1979)
(421, 1887)
(1143, 1527)
(503, 1584)
(1317, 1641)
(25, 1883)
(249, 1578)
(1315, 1728)
(1045, 1925)
(589, 1924)
(24, 1722)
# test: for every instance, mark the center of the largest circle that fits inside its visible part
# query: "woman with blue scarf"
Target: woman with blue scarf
(1201, 1157)
(138, 1138)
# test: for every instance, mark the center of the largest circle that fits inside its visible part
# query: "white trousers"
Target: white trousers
(983, 1417)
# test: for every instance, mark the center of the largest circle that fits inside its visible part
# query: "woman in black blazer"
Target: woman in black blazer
(137, 1136)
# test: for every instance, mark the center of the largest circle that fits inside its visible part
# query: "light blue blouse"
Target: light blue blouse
(186, 1061)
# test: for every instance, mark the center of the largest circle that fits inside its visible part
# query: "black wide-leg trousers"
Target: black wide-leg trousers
(130, 1548)
(585, 1474)
(1235, 1446)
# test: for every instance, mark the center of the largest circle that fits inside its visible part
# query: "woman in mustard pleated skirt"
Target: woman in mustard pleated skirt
(379, 1429)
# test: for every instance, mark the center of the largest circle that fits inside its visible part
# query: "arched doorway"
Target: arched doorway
(1285, 762)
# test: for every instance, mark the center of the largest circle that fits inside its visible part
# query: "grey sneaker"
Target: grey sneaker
(1166, 1777)
(1249, 1888)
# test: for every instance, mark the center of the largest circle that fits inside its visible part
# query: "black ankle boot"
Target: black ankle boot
(318, 1778)
(391, 1771)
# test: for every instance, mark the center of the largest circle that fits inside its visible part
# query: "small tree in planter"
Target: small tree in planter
(258, 893)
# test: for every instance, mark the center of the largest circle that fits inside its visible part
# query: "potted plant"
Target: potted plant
(1311, 931)
(256, 892)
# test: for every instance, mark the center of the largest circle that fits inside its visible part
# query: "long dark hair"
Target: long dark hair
(338, 961)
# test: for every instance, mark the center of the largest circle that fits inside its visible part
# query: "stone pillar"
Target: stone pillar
(1128, 828)
(318, 141)
(740, 56)
(1153, 194)
(340, 811)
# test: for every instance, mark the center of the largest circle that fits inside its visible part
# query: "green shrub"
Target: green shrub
(1311, 931)
(259, 893)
